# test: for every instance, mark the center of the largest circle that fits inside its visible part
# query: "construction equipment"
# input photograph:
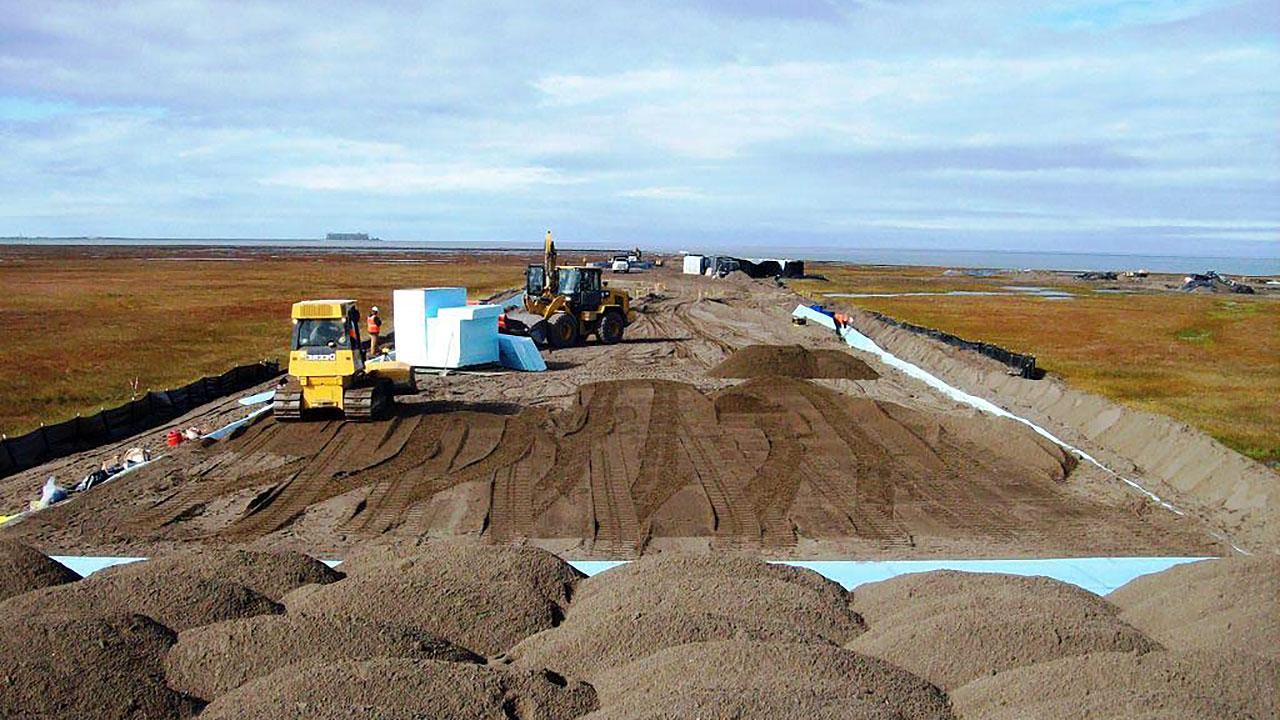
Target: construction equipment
(564, 304)
(327, 365)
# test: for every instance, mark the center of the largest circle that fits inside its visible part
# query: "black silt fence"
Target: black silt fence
(1024, 364)
(50, 442)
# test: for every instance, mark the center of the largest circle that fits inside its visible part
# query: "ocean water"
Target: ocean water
(949, 258)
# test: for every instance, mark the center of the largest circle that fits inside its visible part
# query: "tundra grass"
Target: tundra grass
(87, 325)
(1212, 361)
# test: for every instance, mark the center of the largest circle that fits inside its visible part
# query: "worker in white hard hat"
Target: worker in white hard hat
(375, 330)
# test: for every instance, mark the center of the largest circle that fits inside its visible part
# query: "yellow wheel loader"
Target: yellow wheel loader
(563, 305)
(326, 365)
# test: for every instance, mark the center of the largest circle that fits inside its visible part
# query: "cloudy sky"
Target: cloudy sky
(1091, 125)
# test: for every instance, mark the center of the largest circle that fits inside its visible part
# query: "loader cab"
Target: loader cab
(535, 279)
(582, 286)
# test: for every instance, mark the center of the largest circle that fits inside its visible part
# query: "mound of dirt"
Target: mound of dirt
(664, 568)
(65, 666)
(766, 680)
(1226, 686)
(215, 659)
(749, 593)
(23, 569)
(272, 574)
(631, 466)
(792, 361)
(404, 689)
(951, 628)
(589, 643)
(1228, 604)
(554, 578)
(177, 601)
(486, 599)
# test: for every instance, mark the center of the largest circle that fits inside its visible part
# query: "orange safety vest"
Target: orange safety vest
(375, 324)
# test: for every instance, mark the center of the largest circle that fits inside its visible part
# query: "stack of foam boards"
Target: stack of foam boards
(462, 336)
(693, 264)
(436, 328)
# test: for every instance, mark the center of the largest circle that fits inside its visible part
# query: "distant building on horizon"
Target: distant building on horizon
(350, 237)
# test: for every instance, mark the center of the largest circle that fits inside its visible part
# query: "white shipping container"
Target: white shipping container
(693, 264)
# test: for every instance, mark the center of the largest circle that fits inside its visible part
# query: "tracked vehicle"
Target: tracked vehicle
(327, 365)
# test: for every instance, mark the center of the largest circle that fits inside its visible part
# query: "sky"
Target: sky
(1145, 127)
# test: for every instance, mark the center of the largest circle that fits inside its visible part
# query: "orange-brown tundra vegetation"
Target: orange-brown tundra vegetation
(86, 322)
(1212, 360)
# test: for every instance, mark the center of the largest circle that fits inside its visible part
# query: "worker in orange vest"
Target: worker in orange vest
(375, 330)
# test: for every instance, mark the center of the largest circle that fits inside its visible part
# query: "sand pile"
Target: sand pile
(61, 666)
(1224, 686)
(396, 689)
(271, 574)
(23, 569)
(215, 659)
(177, 601)
(554, 578)
(1229, 604)
(951, 627)
(792, 361)
(589, 643)
(660, 601)
(764, 680)
(632, 466)
(484, 599)
(740, 589)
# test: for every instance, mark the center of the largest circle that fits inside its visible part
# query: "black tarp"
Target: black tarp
(1024, 364)
(110, 425)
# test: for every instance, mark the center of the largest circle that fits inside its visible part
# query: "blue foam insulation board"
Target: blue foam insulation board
(520, 353)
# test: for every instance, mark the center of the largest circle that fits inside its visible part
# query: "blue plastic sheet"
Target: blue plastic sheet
(265, 396)
(1098, 575)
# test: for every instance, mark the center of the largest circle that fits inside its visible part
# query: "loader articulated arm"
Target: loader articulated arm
(551, 277)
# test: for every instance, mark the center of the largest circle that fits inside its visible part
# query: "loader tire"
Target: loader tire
(610, 330)
(562, 330)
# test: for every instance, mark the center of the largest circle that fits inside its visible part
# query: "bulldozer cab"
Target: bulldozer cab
(325, 338)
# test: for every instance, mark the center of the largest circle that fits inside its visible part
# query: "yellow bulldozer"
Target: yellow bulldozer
(565, 304)
(327, 365)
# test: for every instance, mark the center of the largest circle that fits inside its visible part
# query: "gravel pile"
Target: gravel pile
(1224, 686)
(482, 598)
(1229, 604)
(792, 361)
(765, 680)
(69, 666)
(176, 601)
(215, 659)
(23, 569)
(952, 627)
(404, 689)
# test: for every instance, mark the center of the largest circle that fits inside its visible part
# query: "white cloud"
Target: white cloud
(405, 178)
(669, 192)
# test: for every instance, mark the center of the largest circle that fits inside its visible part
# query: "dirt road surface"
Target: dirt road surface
(622, 450)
